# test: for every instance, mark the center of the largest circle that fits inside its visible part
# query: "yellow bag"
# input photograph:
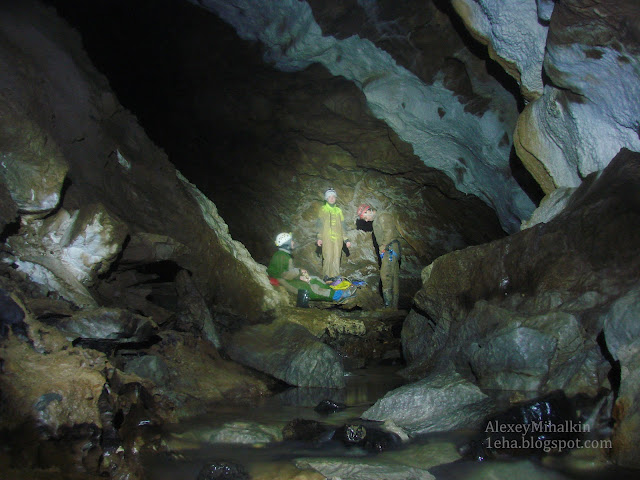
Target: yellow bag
(343, 285)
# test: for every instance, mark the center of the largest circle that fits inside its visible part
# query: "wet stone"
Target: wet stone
(306, 430)
(327, 406)
(547, 425)
(369, 437)
(223, 471)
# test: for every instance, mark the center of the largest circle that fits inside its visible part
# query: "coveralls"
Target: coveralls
(386, 232)
(331, 230)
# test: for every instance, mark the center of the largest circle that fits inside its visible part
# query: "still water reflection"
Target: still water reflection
(191, 446)
(189, 440)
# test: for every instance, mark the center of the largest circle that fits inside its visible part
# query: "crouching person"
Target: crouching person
(292, 278)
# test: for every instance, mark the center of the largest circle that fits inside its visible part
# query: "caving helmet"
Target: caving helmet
(329, 192)
(283, 238)
(362, 209)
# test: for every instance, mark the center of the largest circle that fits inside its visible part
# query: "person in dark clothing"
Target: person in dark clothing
(386, 232)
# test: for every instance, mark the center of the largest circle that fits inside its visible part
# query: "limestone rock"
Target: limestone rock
(106, 324)
(509, 352)
(152, 367)
(243, 433)
(287, 352)
(56, 390)
(32, 167)
(533, 276)
(441, 402)
(592, 62)
(550, 207)
(409, 105)
(144, 247)
(355, 469)
(193, 310)
(622, 334)
(422, 338)
(111, 161)
(515, 36)
(546, 286)
(409, 462)
(66, 252)
(199, 377)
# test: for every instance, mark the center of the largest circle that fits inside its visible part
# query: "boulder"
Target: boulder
(622, 337)
(66, 252)
(289, 353)
(546, 425)
(506, 351)
(422, 338)
(528, 311)
(441, 402)
(120, 326)
(356, 469)
(223, 471)
(32, 167)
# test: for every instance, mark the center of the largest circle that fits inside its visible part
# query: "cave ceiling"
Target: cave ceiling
(393, 105)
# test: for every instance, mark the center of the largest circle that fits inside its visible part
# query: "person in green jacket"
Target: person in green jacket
(293, 279)
(331, 235)
(387, 235)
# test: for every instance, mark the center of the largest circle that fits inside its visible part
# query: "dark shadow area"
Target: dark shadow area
(9, 230)
(524, 178)
(476, 48)
(165, 270)
(614, 374)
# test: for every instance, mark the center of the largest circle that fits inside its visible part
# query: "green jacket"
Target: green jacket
(281, 266)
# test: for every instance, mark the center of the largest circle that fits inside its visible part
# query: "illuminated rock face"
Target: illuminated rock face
(587, 111)
(472, 148)
(515, 33)
(576, 63)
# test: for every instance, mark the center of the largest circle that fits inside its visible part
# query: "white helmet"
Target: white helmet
(330, 192)
(283, 238)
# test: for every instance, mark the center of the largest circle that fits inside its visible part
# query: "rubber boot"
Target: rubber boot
(302, 300)
(388, 299)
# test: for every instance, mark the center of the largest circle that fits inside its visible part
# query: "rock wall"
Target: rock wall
(588, 55)
(66, 143)
(468, 146)
(547, 308)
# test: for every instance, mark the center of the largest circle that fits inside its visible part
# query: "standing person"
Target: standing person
(331, 229)
(386, 233)
(293, 279)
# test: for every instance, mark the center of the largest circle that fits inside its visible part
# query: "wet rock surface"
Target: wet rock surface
(558, 280)
(327, 406)
(547, 425)
(288, 352)
(367, 436)
(223, 471)
(440, 402)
